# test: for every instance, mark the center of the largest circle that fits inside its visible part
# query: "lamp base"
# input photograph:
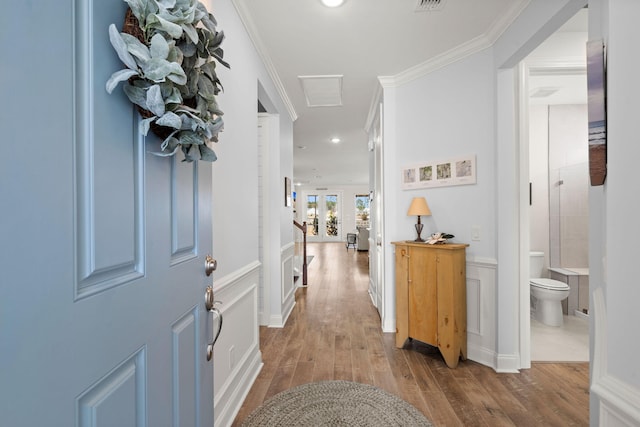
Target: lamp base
(419, 230)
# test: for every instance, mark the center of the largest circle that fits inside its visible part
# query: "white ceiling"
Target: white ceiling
(566, 50)
(360, 40)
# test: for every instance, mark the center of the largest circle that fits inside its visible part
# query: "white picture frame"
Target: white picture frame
(455, 171)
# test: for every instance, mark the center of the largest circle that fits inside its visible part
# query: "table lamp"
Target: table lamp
(419, 207)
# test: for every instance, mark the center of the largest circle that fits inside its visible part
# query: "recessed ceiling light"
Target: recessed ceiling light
(335, 140)
(332, 3)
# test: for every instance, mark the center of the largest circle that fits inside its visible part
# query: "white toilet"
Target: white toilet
(548, 293)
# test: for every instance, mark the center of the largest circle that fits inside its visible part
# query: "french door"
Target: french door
(324, 216)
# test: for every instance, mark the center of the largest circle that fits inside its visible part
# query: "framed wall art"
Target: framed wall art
(597, 112)
(456, 171)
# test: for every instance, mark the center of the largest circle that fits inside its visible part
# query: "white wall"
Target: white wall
(235, 173)
(446, 114)
(442, 116)
(235, 210)
(614, 228)
(470, 107)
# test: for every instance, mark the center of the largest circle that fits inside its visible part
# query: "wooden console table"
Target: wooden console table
(431, 298)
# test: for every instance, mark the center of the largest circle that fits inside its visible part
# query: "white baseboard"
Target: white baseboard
(224, 417)
(484, 356)
(507, 364)
(619, 401)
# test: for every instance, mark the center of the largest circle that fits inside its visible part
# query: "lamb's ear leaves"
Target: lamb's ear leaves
(159, 47)
(167, 154)
(190, 138)
(192, 153)
(145, 124)
(155, 21)
(171, 120)
(136, 47)
(138, 9)
(119, 76)
(121, 48)
(155, 103)
(191, 32)
(137, 95)
(207, 154)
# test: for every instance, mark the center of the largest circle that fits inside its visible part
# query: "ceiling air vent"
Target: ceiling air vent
(430, 5)
(544, 92)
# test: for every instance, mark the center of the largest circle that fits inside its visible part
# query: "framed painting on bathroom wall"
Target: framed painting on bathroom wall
(596, 88)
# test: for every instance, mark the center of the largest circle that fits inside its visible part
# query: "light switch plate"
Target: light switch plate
(475, 233)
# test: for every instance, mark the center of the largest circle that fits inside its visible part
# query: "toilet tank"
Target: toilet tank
(536, 264)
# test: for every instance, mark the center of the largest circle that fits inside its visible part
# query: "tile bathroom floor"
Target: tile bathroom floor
(569, 343)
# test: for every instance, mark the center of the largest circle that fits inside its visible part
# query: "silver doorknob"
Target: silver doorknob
(210, 265)
(208, 298)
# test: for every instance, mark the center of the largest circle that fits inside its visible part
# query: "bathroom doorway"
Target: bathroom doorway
(555, 76)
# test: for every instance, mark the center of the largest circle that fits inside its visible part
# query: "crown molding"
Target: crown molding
(449, 57)
(483, 41)
(373, 106)
(503, 22)
(247, 21)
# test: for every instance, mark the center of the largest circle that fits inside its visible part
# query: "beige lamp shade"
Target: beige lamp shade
(419, 206)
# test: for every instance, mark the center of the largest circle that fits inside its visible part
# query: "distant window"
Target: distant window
(362, 210)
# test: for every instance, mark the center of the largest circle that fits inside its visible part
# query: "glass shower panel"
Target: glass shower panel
(574, 219)
(569, 216)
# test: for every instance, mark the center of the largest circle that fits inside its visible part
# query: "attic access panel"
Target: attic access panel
(322, 91)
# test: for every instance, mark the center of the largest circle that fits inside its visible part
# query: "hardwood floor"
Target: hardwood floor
(334, 333)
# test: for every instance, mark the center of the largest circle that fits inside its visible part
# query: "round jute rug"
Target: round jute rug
(335, 403)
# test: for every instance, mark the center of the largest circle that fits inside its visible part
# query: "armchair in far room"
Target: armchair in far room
(351, 240)
(363, 239)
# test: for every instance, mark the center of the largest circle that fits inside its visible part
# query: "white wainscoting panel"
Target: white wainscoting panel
(481, 310)
(287, 286)
(237, 358)
(619, 402)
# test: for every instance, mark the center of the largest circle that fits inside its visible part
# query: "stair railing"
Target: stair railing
(303, 228)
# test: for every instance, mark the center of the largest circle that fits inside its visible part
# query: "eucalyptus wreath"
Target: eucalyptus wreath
(171, 75)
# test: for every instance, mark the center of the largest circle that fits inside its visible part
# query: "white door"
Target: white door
(102, 318)
(324, 216)
(376, 269)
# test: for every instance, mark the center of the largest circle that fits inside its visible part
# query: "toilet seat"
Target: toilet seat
(550, 284)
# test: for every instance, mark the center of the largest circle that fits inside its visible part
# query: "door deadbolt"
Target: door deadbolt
(210, 265)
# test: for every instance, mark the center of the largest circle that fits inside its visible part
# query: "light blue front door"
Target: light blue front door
(102, 245)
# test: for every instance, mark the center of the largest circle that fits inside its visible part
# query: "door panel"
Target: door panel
(118, 398)
(102, 318)
(109, 242)
(184, 205)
